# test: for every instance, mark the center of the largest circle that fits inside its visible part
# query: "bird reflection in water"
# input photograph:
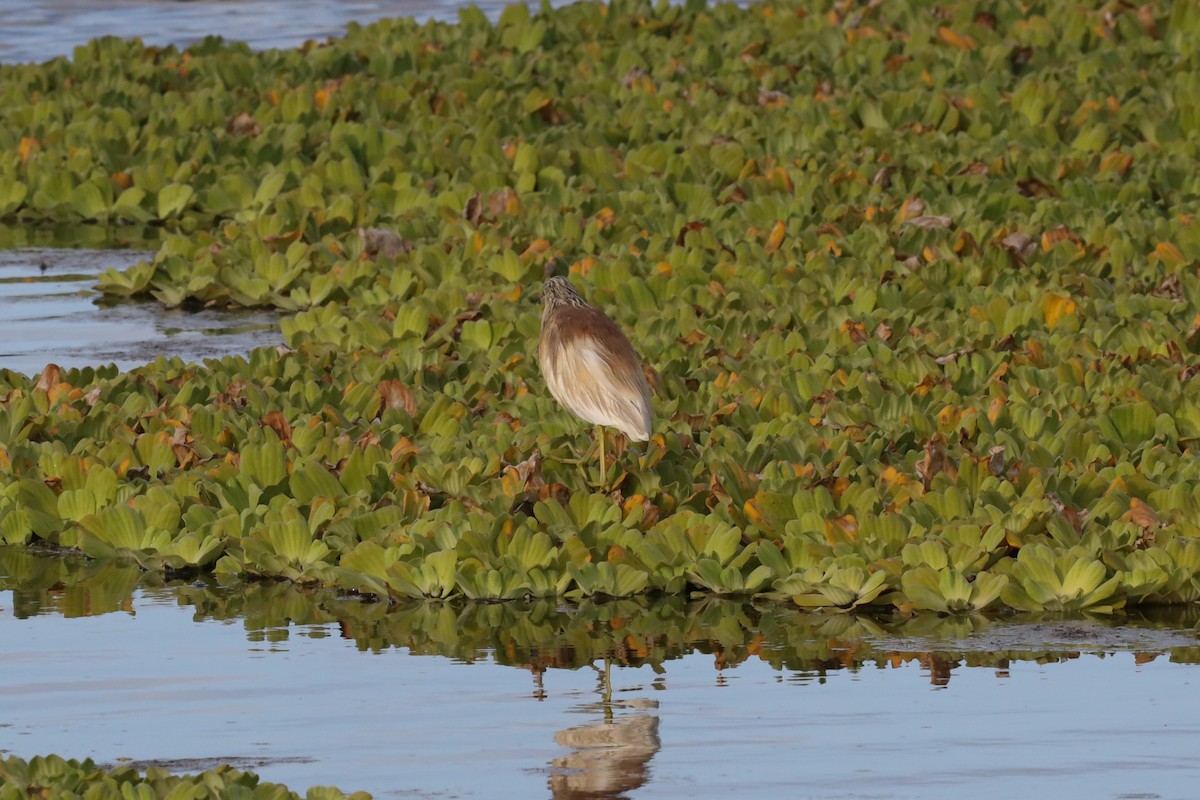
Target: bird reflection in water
(611, 756)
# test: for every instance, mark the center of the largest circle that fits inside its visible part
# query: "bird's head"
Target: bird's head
(558, 291)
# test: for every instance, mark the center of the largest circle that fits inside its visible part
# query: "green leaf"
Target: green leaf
(173, 198)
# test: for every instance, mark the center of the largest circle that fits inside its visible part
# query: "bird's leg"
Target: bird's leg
(603, 463)
(607, 685)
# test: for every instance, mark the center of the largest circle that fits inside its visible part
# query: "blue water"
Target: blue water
(43, 30)
(306, 707)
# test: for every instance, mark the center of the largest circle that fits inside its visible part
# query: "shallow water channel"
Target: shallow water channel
(50, 313)
(708, 699)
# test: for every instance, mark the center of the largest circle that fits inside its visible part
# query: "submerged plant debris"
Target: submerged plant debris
(916, 284)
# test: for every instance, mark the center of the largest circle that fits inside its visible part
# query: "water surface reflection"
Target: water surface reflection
(699, 699)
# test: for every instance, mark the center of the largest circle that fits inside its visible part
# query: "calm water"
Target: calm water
(195, 676)
(50, 313)
(43, 30)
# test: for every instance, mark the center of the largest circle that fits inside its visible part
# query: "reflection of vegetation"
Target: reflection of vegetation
(918, 283)
(52, 776)
(547, 634)
(75, 587)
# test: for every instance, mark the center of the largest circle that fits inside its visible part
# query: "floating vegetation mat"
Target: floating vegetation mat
(52, 776)
(916, 286)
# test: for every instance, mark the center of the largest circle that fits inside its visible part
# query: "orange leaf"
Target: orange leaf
(1141, 514)
(842, 529)
(780, 177)
(855, 330)
(956, 39)
(536, 248)
(776, 237)
(995, 407)
(1169, 253)
(583, 266)
(632, 502)
(277, 422)
(912, 207)
(26, 147)
(1117, 162)
(1060, 234)
(511, 483)
(321, 98)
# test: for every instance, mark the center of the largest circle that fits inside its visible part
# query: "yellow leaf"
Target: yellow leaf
(753, 512)
(511, 482)
(632, 502)
(949, 417)
(893, 477)
(1055, 307)
(776, 237)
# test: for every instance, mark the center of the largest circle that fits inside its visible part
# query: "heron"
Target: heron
(590, 366)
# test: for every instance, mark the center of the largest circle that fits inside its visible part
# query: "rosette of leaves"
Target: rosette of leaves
(53, 776)
(1043, 579)
(948, 580)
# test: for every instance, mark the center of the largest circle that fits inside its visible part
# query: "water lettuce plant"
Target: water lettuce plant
(52, 776)
(916, 283)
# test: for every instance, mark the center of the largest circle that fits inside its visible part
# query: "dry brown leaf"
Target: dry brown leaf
(277, 422)
(929, 222)
(473, 210)
(1141, 514)
(49, 379)
(396, 395)
(379, 241)
(771, 98)
(1034, 187)
(1021, 245)
(242, 124)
